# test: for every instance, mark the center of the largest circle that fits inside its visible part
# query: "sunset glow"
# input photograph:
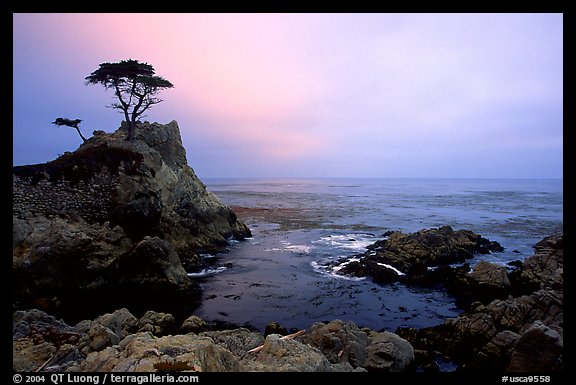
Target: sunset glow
(371, 95)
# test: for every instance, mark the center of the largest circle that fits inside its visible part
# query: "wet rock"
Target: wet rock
(407, 257)
(545, 269)
(490, 276)
(275, 328)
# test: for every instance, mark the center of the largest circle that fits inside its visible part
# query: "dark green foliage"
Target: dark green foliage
(67, 122)
(70, 123)
(81, 165)
(176, 366)
(134, 84)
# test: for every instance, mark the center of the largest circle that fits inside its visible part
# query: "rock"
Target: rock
(141, 351)
(545, 269)
(518, 333)
(344, 342)
(339, 341)
(389, 352)
(539, 350)
(495, 355)
(156, 323)
(407, 257)
(287, 356)
(114, 221)
(153, 270)
(193, 324)
(107, 330)
(275, 328)
(38, 338)
(238, 341)
(489, 275)
(115, 342)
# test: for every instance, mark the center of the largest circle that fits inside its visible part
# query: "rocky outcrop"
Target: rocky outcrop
(115, 223)
(119, 341)
(344, 342)
(520, 333)
(407, 257)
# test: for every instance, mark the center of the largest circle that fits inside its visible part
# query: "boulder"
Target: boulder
(339, 341)
(39, 339)
(193, 324)
(539, 350)
(489, 276)
(344, 342)
(274, 327)
(545, 269)
(287, 356)
(238, 341)
(107, 330)
(156, 323)
(389, 352)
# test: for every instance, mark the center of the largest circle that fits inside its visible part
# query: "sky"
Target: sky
(309, 95)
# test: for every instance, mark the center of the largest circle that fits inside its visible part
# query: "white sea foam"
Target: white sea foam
(333, 271)
(355, 242)
(287, 246)
(391, 268)
(207, 272)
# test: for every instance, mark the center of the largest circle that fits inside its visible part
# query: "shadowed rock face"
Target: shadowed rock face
(520, 333)
(115, 223)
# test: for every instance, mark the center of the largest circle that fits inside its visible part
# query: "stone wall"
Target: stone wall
(90, 198)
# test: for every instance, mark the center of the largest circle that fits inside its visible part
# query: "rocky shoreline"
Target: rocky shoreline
(522, 333)
(105, 239)
(115, 224)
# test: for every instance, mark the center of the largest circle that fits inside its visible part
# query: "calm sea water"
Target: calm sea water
(300, 224)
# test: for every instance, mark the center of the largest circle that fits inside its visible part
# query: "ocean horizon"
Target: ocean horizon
(300, 225)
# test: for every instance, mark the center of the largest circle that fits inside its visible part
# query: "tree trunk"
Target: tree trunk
(130, 135)
(79, 133)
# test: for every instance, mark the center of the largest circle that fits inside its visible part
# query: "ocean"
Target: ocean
(299, 225)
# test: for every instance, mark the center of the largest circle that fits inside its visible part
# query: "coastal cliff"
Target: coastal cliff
(115, 223)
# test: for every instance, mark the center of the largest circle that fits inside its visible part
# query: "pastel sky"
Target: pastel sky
(309, 95)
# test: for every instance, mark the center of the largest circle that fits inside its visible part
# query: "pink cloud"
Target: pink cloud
(250, 86)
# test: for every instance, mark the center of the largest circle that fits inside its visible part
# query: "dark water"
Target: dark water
(300, 224)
